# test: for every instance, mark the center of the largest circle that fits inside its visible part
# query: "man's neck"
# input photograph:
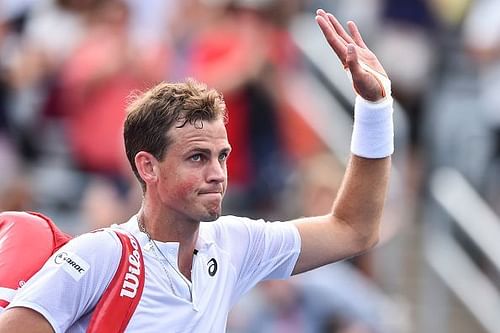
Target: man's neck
(163, 229)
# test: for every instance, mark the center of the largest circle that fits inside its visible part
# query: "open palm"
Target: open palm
(354, 55)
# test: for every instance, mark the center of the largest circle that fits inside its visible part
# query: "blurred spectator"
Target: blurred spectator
(406, 43)
(66, 69)
(119, 206)
(16, 195)
(15, 192)
(283, 306)
(319, 178)
(4, 35)
(93, 87)
(339, 324)
(481, 38)
(48, 30)
(151, 20)
(11, 25)
(53, 30)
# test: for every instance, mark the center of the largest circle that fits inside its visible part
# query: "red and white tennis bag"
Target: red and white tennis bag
(27, 240)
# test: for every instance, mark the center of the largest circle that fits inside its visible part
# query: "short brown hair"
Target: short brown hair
(152, 114)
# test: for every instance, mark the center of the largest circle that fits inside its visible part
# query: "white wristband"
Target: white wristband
(373, 132)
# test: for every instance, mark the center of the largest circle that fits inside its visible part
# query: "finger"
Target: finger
(320, 12)
(333, 39)
(355, 69)
(339, 29)
(324, 14)
(353, 29)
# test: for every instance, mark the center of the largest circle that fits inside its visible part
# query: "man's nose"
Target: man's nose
(217, 171)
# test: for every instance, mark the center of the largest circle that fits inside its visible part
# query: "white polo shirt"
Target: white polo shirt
(234, 254)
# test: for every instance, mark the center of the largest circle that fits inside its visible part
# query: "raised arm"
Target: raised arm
(352, 226)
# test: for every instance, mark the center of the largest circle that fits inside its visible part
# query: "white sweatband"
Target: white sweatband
(373, 132)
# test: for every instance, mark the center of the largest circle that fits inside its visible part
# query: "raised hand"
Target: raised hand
(369, 77)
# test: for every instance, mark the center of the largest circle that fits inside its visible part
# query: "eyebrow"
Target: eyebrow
(226, 150)
(201, 150)
(208, 151)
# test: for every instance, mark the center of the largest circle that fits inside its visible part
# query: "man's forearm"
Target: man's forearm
(361, 198)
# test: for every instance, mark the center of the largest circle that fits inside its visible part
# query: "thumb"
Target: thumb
(364, 83)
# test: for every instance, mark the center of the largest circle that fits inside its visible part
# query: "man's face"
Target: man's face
(193, 173)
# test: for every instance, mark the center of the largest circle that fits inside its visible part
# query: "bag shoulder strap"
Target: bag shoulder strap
(118, 303)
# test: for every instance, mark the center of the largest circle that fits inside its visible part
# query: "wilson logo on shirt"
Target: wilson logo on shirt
(132, 277)
(212, 267)
(72, 264)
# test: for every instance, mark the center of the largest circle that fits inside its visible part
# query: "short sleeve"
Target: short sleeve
(72, 281)
(260, 250)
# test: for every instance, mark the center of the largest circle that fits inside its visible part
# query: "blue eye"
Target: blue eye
(223, 156)
(196, 158)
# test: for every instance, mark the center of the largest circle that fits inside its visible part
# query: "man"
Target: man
(176, 142)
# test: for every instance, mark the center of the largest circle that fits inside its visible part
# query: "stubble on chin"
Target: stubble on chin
(213, 211)
(213, 215)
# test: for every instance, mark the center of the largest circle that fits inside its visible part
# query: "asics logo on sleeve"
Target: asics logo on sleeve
(72, 264)
(131, 281)
(212, 267)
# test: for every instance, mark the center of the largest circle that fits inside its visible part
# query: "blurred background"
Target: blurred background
(67, 68)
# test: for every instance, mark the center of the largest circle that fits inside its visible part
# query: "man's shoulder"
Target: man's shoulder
(228, 228)
(99, 243)
(227, 222)
(228, 219)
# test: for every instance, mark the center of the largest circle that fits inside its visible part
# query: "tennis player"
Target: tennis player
(198, 263)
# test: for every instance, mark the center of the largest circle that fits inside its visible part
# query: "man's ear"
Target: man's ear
(146, 165)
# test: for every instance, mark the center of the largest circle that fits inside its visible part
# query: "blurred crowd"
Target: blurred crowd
(68, 67)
